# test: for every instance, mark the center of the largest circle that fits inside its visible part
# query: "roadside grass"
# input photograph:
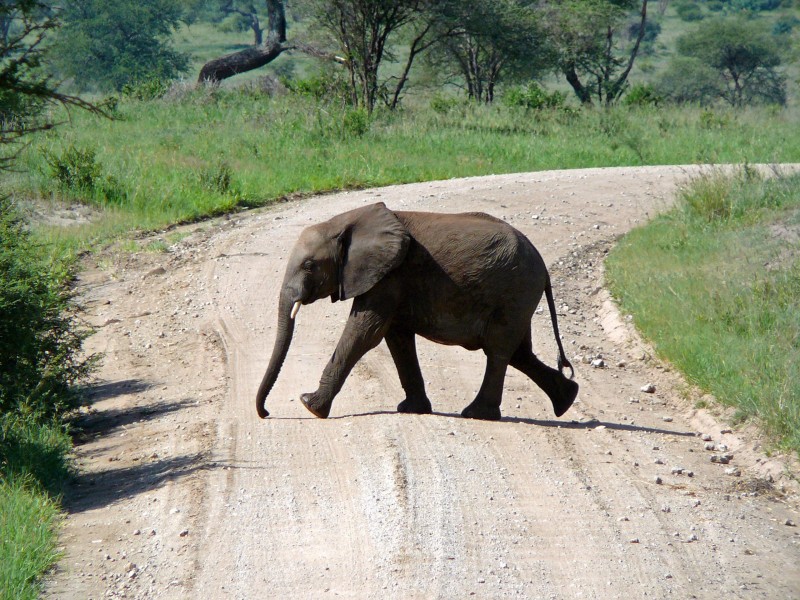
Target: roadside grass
(41, 363)
(33, 467)
(715, 285)
(201, 152)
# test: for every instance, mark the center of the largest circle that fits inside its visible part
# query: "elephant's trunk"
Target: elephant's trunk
(286, 313)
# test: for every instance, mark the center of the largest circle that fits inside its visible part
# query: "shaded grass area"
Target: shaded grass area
(715, 285)
(33, 468)
(41, 363)
(201, 152)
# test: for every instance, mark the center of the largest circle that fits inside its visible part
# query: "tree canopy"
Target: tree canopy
(111, 44)
(743, 56)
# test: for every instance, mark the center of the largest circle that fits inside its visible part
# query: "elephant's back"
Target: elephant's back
(478, 253)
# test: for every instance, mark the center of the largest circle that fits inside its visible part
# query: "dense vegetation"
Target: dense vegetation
(40, 364)
(357, 93)
(715, 284)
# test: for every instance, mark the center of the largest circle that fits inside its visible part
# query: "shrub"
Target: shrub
(147, 89)
(785, 25)
(442, 104)
(533, 96)
(688, 80)
(329, 86)
(77, 170)
(216, 178)
(642, 94)
(689, 11)
(355, 123)
(40, 342)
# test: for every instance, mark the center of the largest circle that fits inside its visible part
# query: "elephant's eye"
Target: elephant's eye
(308, 266)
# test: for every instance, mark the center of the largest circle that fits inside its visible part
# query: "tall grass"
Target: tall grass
(155, 164)
(715, 284)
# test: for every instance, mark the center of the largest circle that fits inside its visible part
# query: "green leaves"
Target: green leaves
(743, 56)
(109, 45)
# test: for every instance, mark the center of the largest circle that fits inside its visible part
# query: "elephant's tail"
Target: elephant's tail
(562, 358)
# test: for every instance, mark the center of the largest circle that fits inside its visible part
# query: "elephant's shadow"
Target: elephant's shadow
(589, 424)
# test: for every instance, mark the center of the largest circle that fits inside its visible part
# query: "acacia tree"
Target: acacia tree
(586, 35)
(480, 42)
(744, 57)
(362, 29)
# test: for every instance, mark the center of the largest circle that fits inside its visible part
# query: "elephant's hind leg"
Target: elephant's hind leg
(561, 391)
(486, 405)
(403, 347)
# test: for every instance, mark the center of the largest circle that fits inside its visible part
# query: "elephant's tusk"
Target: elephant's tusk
(295, 310)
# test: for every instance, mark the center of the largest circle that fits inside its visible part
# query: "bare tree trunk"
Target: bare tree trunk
(257, 56)
(245, 60)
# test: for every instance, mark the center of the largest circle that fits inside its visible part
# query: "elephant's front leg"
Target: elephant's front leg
(403, 347)
(365, 328)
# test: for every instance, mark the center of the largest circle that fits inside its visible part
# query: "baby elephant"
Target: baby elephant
(460, 279)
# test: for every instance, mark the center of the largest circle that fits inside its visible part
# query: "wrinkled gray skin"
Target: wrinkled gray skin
(459, 279)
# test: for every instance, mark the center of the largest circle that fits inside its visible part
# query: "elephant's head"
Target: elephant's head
(340, 259)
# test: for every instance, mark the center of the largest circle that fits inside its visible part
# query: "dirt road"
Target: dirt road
(184, 493)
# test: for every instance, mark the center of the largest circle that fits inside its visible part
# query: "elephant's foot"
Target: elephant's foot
(317, 407)
(479, 410)
(568, 391)
(417, 407)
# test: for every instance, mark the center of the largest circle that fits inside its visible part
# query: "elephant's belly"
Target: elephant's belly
(464, 328)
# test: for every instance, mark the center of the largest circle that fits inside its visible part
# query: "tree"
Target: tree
(743, 56)
(688, 81)
(253, 57)
(111, 44)
(480, 42)
(362, 29)
(247, 11)
(26, 90)
(585, 36)
(358, 30)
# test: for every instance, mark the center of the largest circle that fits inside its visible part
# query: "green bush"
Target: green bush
(355, 123)
(785, 25)
(689, 81)
(76, 170)
(151, 88)
(441, 104)
(40, 342)
(533, 96)
(642, 94)
(328, 86)
(689, 11)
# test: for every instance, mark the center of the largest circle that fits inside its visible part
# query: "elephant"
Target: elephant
(467, 279)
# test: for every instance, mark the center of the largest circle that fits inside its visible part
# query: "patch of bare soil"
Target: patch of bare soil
(182, 492)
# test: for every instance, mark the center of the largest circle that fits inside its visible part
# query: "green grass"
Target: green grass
(715, 284)
(33, 467)
(27, 544)
(200, 153)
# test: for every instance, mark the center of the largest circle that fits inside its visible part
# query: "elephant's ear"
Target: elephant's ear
(372, 243)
